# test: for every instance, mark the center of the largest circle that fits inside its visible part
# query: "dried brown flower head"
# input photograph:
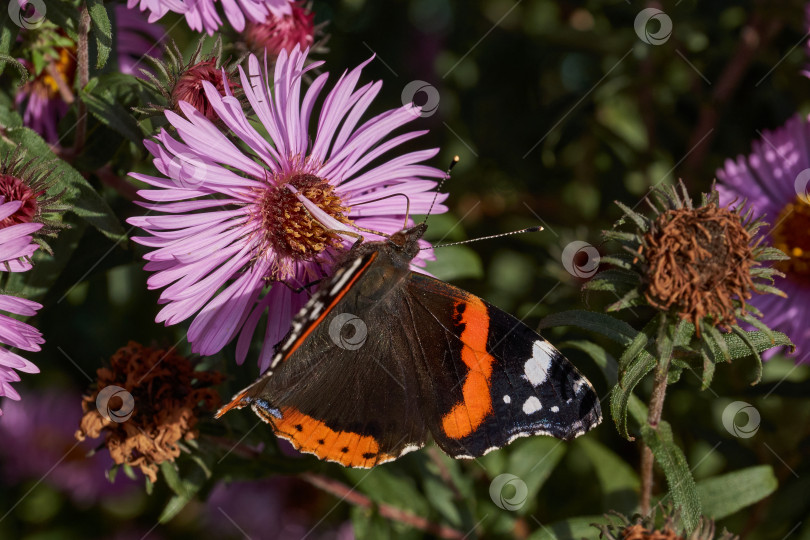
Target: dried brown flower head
(167, 397)
(698, 261)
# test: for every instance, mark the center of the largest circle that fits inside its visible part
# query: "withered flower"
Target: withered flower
(153, 404)
(700, 263)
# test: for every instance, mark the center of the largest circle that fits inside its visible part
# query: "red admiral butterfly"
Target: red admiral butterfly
(381, 356)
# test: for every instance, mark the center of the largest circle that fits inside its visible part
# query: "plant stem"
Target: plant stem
(653, 419)
(83, 76)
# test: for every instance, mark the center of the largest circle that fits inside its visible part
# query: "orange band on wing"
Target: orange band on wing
(236, 403)
(466, 416)
(313, 436)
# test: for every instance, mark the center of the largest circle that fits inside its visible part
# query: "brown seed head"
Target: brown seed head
(698, 261)
(168, 396)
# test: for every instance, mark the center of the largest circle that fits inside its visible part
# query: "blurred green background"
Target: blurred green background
(556, 109)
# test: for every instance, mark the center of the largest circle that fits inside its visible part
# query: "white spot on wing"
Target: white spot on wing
(536, 368)
(531, 405)
(555, 409)
(345, 277)
(507, 399)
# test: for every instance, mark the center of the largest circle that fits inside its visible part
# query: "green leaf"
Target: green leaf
(638, 219)
(455, 262)
(615, 329)
(104, 105)
(636, 346)
(621, 393)
(771, 254)
(384, 485)
(184, 486)
(533, 461)
(739, 347)
(676, 469)
(578, 527)
(101, 29)
(65, 15)
(724, 495)
(85, 201)
(619, 482)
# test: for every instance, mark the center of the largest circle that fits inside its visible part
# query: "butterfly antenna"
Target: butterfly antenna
(455, 160)
(526, 230)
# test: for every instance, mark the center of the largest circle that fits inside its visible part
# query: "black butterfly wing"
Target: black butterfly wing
(486, 377)
(342, 386)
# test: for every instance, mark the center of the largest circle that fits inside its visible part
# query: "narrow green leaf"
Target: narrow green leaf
(615, 329)
(533, 461)
(631, 299)
(621, 393)
(112, 114)
(718, 342)
(676, 469)
(638, 219)
(724, 495)
(172, 477)
(101, 29)
(8, 37)
(754, 341)
(386, 486)
(635, 347)
(708, 370)
(771, 254)
(619, 481)
(175, 504)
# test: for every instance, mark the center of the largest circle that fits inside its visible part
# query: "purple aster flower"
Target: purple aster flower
(16, 246)
(774, 179)
(38, 443)
(273, 508)
(202, 15)
(241, 210)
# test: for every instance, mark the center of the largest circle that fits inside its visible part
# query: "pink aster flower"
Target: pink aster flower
(239, 210)
(202, 15)
(282, 31)
(16, 246)
(775, 179)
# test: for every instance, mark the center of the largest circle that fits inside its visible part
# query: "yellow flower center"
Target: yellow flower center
(65, 68)
(288, 227)
(792, 235)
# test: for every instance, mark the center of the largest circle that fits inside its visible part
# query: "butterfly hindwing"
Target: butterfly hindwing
(493, 378)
